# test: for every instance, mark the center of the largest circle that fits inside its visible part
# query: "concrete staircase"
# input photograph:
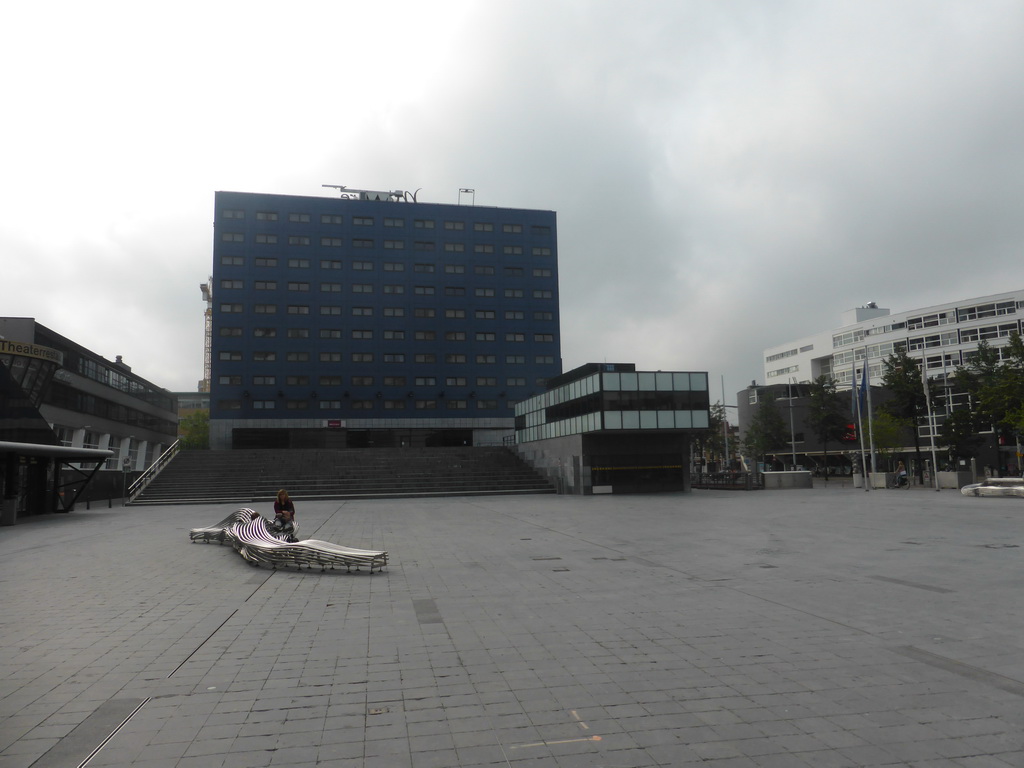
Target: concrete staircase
(245, 476)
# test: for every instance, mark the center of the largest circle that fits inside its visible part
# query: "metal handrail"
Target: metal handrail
(735, 481)
(153, 470)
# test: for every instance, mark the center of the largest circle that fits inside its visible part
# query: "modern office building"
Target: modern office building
(373, 320)
(608, 428)
(71, 421)
(944, 336)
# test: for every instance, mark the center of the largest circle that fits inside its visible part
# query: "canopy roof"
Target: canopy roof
(62, 451)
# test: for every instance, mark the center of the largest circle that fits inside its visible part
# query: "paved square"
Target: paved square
(815, 628)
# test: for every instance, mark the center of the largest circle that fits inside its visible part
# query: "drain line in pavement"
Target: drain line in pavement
(215, 631)
(112, 712)
(100, 726)
(113, 733)
(261, 581)
(141, 704)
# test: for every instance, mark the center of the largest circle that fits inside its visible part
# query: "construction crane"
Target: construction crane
(207, 290)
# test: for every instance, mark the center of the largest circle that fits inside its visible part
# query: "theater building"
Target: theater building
(73, 425)
(373, 320)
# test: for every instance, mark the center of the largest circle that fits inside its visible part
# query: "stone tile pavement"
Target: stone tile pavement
(815, 628)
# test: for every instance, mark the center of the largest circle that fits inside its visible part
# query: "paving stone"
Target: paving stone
(656, 639)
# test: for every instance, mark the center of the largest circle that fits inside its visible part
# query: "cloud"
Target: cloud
(727, 176)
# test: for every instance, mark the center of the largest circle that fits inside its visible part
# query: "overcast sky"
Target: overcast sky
(728, 175)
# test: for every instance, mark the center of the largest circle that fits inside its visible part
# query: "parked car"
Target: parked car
(996, 486)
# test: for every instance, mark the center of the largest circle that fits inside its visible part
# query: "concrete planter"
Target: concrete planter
(795, 479)
(881, 479)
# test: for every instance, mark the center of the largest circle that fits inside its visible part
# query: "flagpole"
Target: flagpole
(871, 430)
(725, 428)
(860, 423)
(931, 420)
(792, 434)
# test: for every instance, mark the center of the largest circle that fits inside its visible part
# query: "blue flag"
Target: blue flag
(858, 393)
(853, 388)
(863, 384)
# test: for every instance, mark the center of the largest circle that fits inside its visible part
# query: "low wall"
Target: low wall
(559, 460)
(790, 479)
(955, 479)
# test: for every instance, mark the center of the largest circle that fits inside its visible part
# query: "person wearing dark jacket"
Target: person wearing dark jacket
(284, 514)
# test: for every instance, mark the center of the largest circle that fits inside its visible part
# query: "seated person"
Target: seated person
(284, 515)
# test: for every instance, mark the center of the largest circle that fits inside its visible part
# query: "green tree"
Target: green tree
(902, 377)
(996, 387)
(959, 434)
(888, 433)
(976, 375)
(827, 414)
(195, 430)
(767, 431)
(1001, 394)
(710, 443)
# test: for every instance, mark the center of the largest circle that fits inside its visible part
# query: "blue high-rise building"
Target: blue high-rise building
(372, 320)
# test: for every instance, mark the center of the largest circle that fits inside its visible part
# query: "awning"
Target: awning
(61, 451)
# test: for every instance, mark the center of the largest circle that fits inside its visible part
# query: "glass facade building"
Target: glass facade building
(614, 400)
(340, 322)
(604, 428)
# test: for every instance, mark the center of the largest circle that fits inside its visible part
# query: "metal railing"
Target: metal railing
(729, 481)
(153, 470)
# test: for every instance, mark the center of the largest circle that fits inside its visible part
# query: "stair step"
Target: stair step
(254, 475)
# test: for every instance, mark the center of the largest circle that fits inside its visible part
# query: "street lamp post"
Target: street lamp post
(725, 421)
(792, 433)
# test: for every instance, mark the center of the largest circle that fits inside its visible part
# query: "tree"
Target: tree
(710, 442)
(996, 387)
(959, 434)
(887, 434)
(195, 430)
(827, 414)
(1001, 391)
(902, 377)
(767, 430)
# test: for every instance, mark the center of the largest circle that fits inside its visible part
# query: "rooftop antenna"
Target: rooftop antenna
(338, 187)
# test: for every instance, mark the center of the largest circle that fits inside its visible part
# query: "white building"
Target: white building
(944, 336)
